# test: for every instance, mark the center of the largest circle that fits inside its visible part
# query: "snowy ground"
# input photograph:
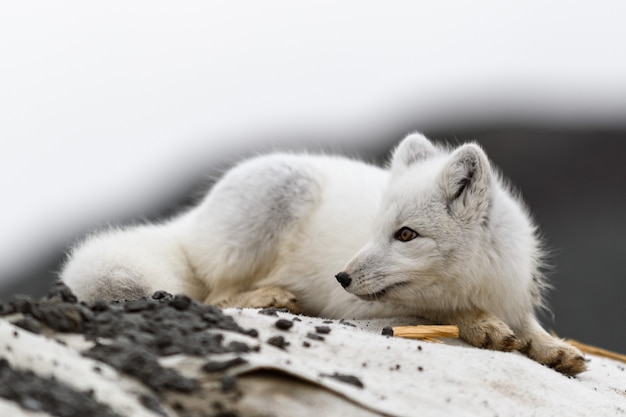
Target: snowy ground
(334, 367)
(408, 377)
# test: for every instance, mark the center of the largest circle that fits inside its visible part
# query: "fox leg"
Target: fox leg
(263, 297)
(235, 237)
(124, 264)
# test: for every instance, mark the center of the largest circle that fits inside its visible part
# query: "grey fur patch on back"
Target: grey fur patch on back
(119, 284)
(269, 200)
(287, 197)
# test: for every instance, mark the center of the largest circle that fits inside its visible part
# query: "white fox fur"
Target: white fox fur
(437, 235)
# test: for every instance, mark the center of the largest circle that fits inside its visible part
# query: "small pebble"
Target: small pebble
(160, 295)
(238, 347)
(283, 324)
(181, 302)
(270, 311)
(29, 323)
(278, 341)
(322, 329)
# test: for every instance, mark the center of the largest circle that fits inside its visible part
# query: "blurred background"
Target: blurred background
(125, 111)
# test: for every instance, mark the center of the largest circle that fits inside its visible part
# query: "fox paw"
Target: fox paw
(557, 354)
(264, 297)
(488, 332)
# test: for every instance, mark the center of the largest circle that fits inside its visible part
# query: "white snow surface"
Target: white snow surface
(455, 379)
(400, 377)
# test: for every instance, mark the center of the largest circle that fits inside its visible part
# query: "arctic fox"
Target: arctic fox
(437, 235)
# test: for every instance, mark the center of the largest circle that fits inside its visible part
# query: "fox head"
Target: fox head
(429, 228)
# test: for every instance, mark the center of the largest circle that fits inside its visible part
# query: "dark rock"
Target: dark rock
(387, 331)
(29, 323)
(6, 309)
(181, 302)
(278, 341)
(251, 332)
(238, 347)
(22, 303)
(270, 311)
(283, 324)
(58, 290)
(322, 329)
(162, 295)
(314, 336)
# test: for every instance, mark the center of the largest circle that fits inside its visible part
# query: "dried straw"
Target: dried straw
(426, 332)
(594, 350)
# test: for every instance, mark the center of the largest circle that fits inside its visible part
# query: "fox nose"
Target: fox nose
(344, 279)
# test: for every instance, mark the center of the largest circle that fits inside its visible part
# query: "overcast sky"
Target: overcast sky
(104, 107)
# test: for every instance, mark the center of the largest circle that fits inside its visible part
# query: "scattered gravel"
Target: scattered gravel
(129, 336)
(36, 393)
(135, 360)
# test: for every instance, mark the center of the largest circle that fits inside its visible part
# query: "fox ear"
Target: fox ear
(466, 182)
(413, 148)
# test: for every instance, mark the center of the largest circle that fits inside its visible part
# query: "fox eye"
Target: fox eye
(405, 234)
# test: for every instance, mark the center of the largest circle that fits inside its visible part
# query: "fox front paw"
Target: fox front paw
(488, 332)
(557, 354)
